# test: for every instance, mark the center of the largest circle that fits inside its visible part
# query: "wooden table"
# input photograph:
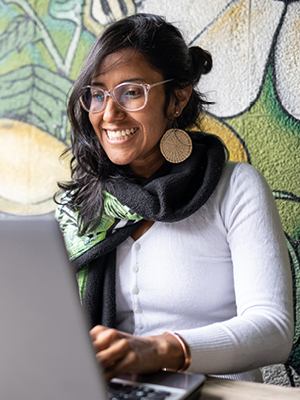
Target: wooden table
(223, 389)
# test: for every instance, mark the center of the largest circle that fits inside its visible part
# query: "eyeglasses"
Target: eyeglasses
(128, 96)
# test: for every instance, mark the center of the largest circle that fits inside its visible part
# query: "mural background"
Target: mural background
(254, 84)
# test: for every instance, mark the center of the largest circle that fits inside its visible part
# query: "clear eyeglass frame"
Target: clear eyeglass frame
(146, 87)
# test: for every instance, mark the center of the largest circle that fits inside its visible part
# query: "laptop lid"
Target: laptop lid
(45, 350)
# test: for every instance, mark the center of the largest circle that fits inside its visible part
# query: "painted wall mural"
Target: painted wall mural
(254, 84)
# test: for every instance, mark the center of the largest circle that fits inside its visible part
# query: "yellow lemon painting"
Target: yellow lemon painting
(30, 167)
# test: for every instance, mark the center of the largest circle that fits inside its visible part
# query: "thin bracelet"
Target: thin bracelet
(186, 352)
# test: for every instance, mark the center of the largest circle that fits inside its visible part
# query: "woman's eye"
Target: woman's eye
(98, 96)
(133, 92)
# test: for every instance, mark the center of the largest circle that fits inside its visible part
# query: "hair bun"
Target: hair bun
(201, 61)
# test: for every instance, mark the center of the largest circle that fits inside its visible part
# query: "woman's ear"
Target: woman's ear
(182, 97)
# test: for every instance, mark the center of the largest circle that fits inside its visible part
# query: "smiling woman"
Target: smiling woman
(125, 129)
(141, 224)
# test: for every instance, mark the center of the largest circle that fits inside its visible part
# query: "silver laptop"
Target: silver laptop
(45, 349)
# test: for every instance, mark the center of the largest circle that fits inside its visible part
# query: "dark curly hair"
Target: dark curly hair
(162, 46)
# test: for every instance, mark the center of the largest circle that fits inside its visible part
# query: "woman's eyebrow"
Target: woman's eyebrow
(135, 80)
(131, 80)
(95, 83)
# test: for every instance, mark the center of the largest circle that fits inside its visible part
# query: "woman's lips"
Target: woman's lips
(120, 134)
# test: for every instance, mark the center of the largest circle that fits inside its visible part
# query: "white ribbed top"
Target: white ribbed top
(220, 278)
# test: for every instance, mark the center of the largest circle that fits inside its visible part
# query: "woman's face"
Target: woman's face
(144, 128)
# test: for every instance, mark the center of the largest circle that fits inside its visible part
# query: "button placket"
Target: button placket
(135, 268)
(134, 289)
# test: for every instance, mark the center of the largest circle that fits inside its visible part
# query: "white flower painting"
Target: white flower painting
(245, 38)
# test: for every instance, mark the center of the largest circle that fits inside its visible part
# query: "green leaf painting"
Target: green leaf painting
(37, 96)
(67, 10)
(34, 88)
(21, 31)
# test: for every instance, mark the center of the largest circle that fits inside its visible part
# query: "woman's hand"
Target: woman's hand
(119, 352)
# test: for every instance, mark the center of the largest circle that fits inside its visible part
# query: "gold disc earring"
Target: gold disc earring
(176, 145)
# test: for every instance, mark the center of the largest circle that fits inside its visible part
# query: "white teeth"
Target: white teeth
(121, 134)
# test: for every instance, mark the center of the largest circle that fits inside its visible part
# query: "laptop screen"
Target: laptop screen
(45, 351)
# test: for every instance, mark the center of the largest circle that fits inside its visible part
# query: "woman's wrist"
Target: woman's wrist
(179, 358)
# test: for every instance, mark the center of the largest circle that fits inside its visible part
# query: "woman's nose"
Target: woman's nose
(113, 111)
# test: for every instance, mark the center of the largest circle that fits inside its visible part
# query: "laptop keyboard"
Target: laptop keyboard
(119, 391)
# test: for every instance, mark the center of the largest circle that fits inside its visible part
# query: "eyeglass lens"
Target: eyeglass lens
(128, 96)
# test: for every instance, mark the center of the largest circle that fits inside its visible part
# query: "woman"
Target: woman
(166, 235)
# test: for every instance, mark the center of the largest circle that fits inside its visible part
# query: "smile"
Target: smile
(121, 134)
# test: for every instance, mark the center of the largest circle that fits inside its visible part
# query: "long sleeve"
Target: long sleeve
(262, 331)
